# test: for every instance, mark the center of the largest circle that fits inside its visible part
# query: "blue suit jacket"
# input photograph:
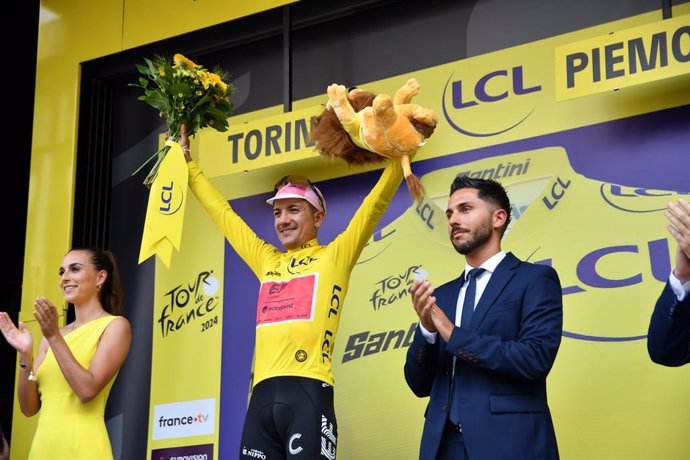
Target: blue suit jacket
(503, 359)
(668, 340)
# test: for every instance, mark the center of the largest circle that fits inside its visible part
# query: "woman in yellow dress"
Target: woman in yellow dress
(76, 365)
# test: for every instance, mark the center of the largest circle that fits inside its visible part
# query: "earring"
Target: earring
(98, 288)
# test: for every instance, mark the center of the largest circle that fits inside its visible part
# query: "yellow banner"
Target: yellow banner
(186, 335)
(620, 59)
(165, 210)
(255, 144)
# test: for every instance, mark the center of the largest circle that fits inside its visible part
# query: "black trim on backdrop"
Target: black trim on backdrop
(92, 186)
(94, 163)
(666, 8)
(287, 59)
(15, 187)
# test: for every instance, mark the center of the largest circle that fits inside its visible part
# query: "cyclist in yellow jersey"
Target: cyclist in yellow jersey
(291, 411)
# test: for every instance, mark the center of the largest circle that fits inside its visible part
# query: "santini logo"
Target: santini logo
(189, 418)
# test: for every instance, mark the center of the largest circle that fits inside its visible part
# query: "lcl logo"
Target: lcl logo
(170, 199)
(495, 86)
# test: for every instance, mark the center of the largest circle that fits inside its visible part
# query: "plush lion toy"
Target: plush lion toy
(361, 128)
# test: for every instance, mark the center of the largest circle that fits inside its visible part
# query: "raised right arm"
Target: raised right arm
(252, 249)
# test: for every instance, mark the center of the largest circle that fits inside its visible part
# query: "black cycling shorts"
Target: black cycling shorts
(290, 418)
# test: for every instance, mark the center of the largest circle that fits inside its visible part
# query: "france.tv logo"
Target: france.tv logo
(183, 419)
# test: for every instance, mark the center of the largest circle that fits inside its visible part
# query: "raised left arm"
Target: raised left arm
(349, 244)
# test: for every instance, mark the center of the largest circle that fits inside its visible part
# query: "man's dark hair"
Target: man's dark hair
(489, 190)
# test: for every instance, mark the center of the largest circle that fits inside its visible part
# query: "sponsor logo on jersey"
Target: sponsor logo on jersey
(328, 438)
(253, 453)
(293, 446)
(301, 356)
(297, 266)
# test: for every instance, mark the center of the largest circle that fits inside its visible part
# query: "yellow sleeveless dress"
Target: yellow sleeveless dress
(67, 428)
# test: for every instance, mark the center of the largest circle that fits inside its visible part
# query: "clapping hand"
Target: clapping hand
(47, 317)
(678, 215)
(20, 338)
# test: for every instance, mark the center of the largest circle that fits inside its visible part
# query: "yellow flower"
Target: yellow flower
(183, 92)
(217, 81)
(183, 63)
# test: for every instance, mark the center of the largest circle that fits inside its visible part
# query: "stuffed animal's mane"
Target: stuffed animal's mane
(424, 129)
(332, 140)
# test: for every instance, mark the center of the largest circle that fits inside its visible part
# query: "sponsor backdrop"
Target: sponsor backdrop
(589, 133)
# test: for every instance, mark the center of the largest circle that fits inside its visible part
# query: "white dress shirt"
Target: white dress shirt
(482, 280)
(681, 290)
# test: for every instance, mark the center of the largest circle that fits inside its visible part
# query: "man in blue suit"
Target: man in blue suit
(484, 368)
(668, 340)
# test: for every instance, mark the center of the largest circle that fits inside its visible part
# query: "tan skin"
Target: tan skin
(79, 281)
(295, 221)
(467, 215)
(678, 214)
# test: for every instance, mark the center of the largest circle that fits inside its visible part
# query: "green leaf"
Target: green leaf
(180, 88)
(145, 70)
(157, 100)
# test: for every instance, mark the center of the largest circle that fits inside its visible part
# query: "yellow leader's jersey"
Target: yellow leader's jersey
(302, 290)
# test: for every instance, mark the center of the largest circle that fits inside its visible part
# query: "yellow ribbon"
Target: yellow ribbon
(165, 210)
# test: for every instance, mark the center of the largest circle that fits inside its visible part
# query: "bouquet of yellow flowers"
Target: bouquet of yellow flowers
(184, 93)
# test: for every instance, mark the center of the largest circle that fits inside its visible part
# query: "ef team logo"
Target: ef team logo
(171, 198)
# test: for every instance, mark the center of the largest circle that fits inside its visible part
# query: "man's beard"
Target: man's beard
(481, 236)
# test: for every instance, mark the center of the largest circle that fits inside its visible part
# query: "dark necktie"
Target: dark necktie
(470, 293)
(467, 311)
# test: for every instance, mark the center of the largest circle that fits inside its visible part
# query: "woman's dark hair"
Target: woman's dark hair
(111, 292)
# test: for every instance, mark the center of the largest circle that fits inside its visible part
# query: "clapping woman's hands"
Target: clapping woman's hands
(20, 338)
(47, 316)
